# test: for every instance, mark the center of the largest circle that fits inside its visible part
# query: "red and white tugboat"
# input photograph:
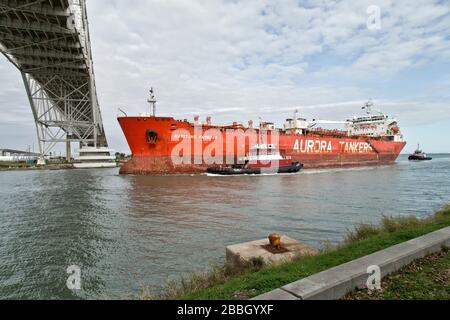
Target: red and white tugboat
(262, 159)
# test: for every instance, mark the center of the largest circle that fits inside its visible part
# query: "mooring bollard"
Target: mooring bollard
(271, 250)
(275, 240)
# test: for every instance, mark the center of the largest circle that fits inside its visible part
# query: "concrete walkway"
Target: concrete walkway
(335, 283)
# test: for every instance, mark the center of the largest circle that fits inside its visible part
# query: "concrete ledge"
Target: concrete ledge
(277, 294)
(244, 253)
(335, 283)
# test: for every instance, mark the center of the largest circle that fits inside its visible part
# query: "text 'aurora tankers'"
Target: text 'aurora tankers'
(164, 145)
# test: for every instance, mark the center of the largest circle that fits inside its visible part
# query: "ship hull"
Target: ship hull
(419, 158)
(158, 144)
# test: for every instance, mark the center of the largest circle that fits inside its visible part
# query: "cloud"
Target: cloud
(238, 60)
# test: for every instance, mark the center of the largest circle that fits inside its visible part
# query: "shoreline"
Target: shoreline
(304, 170)
(223, 282)
(41, 168)
(56, 167)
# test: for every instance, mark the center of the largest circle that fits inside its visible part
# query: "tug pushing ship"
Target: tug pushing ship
(263, 159)
(164, 145)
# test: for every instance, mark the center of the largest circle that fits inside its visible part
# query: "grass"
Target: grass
(175, 289)
(424, 279)
(225, 283)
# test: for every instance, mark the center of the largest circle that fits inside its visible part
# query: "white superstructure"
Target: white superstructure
(90, 157)
(263, 152)
(371, 125)
(296, 125)
(374, 125)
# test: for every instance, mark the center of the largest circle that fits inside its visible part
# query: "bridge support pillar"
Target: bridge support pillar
(68, 152)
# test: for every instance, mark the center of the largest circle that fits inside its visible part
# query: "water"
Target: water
(128, 232)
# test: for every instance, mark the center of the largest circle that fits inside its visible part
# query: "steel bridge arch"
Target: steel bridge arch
(48, 41)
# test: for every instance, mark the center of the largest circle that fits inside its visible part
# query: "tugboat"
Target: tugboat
(262, 159)
(419, 155)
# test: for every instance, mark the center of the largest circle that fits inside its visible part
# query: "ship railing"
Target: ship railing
(328, 132)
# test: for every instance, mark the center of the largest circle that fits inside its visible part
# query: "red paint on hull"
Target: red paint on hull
(153, 154)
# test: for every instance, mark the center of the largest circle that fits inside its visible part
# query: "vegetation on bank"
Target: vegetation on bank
(424, 279)
(227, 283)
(11, 164)
(6, 166)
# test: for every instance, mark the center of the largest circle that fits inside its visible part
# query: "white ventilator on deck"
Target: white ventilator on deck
(48, 41)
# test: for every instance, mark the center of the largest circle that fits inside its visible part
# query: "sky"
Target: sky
(241, 60)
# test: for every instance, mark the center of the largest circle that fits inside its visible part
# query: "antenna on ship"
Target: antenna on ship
(368, 106)
(152, 100)
(296, 118)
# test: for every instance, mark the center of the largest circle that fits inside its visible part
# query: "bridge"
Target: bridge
(48, 42)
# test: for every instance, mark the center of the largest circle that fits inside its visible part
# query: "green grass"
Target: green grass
(223, 284)
(424, 279)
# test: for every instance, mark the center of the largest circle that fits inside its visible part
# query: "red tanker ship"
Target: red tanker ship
(164, 145)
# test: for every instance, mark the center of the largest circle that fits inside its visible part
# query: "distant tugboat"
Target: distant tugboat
(263, 158)
(419, 155)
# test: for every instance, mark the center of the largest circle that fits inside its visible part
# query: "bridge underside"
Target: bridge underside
(48, 41)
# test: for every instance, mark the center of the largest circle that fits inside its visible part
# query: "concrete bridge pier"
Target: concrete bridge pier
(68, 151)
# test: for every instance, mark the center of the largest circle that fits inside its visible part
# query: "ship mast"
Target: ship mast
(296, 119)
(152, 100)
(368, 107)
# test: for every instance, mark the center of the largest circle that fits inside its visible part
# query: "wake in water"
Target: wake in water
(328, 170)
(252, 175)
(304, 172)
